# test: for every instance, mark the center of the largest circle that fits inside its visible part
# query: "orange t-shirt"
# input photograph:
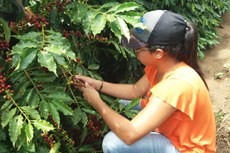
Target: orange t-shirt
(192, 127)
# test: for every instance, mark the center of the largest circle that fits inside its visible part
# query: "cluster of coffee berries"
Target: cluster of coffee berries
(78, 34)
(4, 45)
(64, 137)
(4, 87)
(61, 134)
(34, 20)
(19, 26)
(38, 21)
(49, 138)
(95, 129)
(58, 4)
(7, 56)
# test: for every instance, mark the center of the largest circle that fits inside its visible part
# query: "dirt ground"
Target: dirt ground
(216, 68)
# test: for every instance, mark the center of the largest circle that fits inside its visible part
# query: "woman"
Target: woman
(176, 113)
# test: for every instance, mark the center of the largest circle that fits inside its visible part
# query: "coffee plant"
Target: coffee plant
(44, 43)
(41, 111)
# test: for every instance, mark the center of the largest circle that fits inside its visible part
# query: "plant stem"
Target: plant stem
(43, 36)
(71, 91)
(18, 107)
(32, 83)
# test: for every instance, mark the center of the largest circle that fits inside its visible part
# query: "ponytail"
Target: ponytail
(190, 48)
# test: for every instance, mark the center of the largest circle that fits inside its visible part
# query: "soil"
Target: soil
(216, 68)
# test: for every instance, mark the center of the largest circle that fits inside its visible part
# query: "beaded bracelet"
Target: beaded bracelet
(101, 86)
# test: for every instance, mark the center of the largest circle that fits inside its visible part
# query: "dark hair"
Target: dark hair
(187, 50)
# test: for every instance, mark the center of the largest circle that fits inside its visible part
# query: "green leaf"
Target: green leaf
(86, 22)
(7, 105)
(89, 111)
(60, 59)
(22, 46)
(25, 61)
(2, 135)
(21, 89)
(30, 36)
(93, 67)
(42, 125)
(115, 29)
(59, 50)
(44, 109)
(113, 9)
(86, 148)
(15, 127)
(110, 18)
(108, 5)
(118, 47)
(29, 147)
(79, 115)
(21, 139)
(28, 95)
(7, 117)
(107, 99)
(54, 89)
(123, 27)
(54, 113)
(44, 77)
(60, 96)
(81, 10)
(51, 36)
(134, 21)
(84, 134)
(129, 6)
(65, 109)
(131, 113)
(6, 29)
(76, 116)
(29, 130)
(17, 76)
(15, 60)
(71, 55)
(47, 60)
(31, 112)
(133, 103)
(98, 24)
(34, 99)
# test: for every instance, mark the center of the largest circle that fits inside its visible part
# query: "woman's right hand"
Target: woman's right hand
(92, 82)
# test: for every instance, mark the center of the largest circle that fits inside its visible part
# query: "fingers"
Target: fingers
(78, 83)
(81, 77)
(87, 85)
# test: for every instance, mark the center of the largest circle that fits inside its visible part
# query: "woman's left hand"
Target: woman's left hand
(90, 94)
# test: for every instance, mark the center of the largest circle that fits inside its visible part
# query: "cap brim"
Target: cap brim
(133, 42)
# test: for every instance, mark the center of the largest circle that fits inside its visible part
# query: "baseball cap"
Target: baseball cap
(163, 27)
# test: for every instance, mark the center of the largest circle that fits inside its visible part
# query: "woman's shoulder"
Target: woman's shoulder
(185, 71)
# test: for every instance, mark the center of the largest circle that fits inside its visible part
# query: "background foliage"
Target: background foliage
(43, 44)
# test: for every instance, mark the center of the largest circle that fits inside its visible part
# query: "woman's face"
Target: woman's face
(145, 55)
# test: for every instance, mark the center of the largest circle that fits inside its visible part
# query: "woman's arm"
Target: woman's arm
(123, 91)
(151, 117)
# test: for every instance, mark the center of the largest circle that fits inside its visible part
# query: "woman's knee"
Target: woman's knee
(111, 143)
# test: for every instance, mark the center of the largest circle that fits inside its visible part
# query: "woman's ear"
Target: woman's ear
(159, 53)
